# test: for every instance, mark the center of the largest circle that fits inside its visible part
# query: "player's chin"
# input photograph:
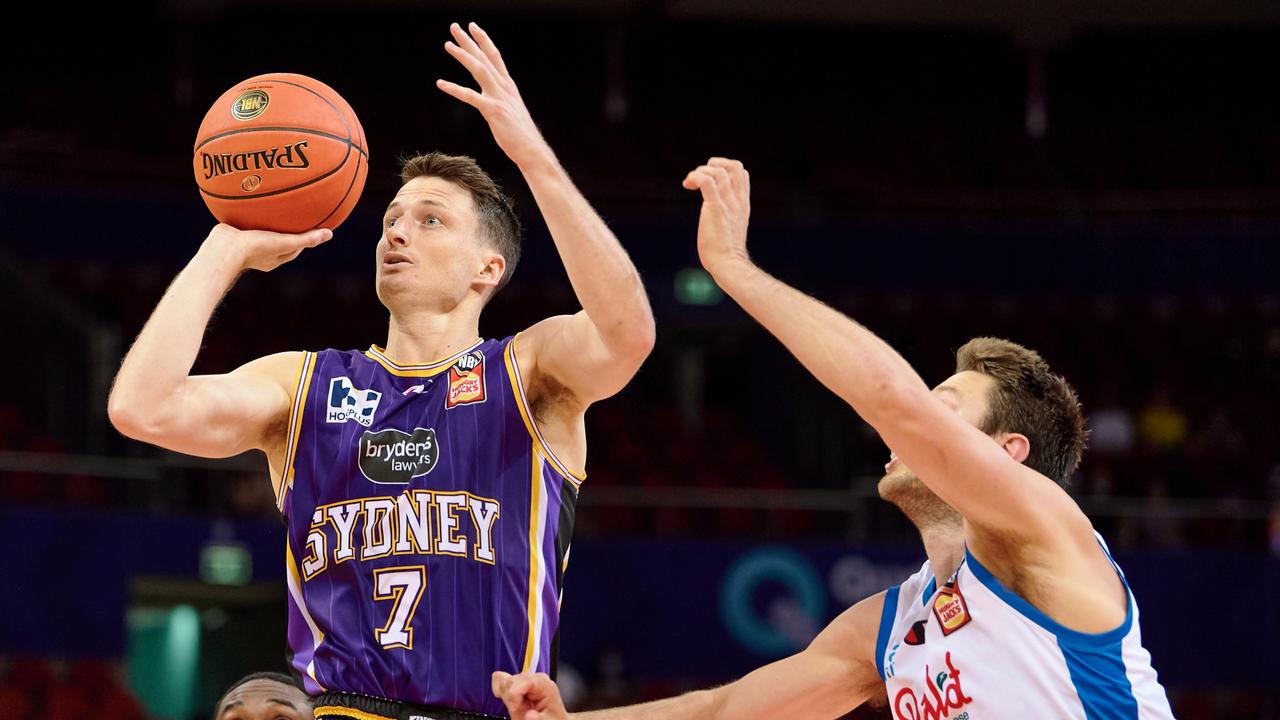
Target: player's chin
(895, 483)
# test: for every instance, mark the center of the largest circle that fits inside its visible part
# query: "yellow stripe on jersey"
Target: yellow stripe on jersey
(535, 565)
(337, 711)
(526, 414)
(303, 385)
(379, 356)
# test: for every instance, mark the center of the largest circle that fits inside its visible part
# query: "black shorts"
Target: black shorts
(353, 706)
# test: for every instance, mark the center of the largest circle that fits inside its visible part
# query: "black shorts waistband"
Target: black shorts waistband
(354, 706)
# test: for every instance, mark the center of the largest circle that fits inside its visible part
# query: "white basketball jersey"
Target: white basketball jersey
(974, 650)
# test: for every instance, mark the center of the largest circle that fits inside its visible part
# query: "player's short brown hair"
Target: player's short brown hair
(498, 222)
(1031, 400)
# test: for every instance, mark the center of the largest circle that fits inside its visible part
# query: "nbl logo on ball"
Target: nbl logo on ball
(250, 105)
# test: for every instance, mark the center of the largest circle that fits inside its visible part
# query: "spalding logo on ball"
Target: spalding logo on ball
(281, 152)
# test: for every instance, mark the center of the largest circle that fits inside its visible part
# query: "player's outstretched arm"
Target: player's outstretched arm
(595, 352)
(984, 481)
(154, 398)
(834, 675)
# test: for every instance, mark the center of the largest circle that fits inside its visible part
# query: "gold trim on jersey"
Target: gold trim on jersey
(305, 370)
(536, 535)
(295, 590)
(526, 414)
(379, 355)
(339, 711)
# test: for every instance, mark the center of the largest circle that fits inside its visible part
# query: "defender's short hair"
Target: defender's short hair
(1029, 399)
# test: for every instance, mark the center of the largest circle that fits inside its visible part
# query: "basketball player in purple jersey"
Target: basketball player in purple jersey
(428, 486)
(1019, 611)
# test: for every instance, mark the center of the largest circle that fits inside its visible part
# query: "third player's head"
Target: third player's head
(449, 237)
(1009, 393)
(264, 696)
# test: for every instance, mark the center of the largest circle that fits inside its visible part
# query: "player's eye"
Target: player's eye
(388, 221)
(431, 220)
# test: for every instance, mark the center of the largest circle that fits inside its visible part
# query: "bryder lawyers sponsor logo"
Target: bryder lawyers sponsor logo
(348, 403)
(393, 457)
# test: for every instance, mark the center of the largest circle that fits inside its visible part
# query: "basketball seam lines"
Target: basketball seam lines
(347, 141)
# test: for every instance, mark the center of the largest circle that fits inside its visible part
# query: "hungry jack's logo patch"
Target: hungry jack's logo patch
(466, 381)
(950, 609)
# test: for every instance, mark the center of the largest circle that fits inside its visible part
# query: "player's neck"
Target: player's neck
(944, 544)
(420, 338)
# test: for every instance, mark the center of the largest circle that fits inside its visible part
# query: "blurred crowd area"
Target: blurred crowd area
(1069, 121)
(1180, 393)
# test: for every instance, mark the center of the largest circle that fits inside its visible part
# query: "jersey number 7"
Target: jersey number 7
(403, 586)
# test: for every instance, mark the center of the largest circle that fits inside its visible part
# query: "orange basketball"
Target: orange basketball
(281, 152)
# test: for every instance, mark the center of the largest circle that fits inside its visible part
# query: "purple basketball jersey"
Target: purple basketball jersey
(428, 527)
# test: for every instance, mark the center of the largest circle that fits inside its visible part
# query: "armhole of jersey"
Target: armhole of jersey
(1065, 635)
(526, 414)
(303, 385)
(888, 614)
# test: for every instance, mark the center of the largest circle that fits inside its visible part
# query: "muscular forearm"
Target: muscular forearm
(603, 276)
(700, 705)
(153, 374)
(846, 357)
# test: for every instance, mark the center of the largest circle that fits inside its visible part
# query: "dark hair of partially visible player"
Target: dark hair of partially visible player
(498, 222)
(1031, 400)
(265, 675)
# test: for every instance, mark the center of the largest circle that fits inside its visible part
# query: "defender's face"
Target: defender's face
(967, 394)
(428, 252)
(265, 700)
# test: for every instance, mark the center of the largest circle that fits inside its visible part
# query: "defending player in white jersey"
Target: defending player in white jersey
(1019, 611)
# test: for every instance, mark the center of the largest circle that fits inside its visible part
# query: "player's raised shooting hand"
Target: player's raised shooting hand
(726, 208)
(499, 99)
(263, 250)
(529, 696)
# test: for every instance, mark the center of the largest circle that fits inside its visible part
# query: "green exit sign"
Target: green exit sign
(225, 563)
(695, 287)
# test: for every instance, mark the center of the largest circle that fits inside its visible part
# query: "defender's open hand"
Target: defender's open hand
(499, 99)
(726, 208)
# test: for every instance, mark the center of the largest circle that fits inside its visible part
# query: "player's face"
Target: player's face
(967, 394)
(265, 700)
(429, 254)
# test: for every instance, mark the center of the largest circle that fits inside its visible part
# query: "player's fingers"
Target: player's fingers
(498, 682)
(490, 49)
(468, 43)
(315, 237)
(518, 688)
(708, 184)
(478, 69)
(726, 163)
(737, 173)
(465, 94)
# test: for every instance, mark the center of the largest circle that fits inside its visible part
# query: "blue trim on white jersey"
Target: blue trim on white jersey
(887, 615)
(1095, 661)
(929, 590)
(1100, 681)
(1064, 634)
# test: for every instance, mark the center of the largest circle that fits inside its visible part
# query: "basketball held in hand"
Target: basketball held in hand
(281, 152)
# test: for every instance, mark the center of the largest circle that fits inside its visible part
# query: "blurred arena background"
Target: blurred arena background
(1100, 182)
